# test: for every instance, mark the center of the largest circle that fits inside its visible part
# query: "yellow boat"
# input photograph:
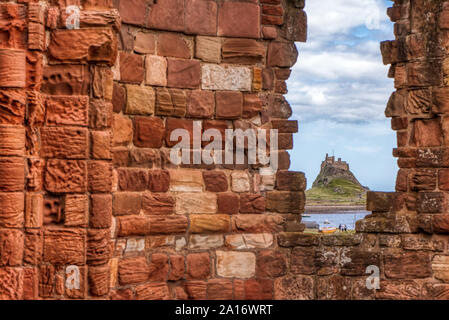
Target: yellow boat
(328, 230)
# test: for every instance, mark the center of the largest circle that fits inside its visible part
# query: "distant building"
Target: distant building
(330, 161)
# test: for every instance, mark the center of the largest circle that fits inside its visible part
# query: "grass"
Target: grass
(338, 191)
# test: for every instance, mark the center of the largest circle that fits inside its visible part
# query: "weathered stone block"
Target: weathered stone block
(65, 246)
(140, 100)
(55, 141)
(239, 19)
(156, 70)
(84, 45)
(149, 132)
(66, 176)
(183, 73)
(187, 203)
(217, 77)
(232, 264)
(208, 223)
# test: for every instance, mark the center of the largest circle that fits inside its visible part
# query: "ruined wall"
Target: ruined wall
(405, 237)
(92, 207)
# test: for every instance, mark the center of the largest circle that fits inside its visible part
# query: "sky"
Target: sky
(339, 89)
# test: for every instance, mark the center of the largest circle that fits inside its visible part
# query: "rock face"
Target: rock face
(92, 207)
(334, 185)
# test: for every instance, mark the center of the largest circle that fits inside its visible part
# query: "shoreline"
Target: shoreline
(334, 208)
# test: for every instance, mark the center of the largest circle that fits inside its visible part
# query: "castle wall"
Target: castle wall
(92, 208)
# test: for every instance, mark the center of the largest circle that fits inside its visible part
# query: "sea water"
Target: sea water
(335, 219)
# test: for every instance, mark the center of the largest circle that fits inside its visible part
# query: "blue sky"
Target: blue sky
(339, 88)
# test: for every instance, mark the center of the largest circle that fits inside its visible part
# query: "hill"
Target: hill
(336, 185)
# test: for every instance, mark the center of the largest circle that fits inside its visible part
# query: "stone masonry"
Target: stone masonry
(92, 207)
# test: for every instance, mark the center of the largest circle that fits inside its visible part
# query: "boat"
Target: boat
(328, 230)
(326, 222)
(306, 216)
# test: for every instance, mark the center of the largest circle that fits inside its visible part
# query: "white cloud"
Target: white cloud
(339, 75)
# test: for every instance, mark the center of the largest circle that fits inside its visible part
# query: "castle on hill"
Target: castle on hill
(330, 161)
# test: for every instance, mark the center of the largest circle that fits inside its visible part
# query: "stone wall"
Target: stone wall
(93, 208)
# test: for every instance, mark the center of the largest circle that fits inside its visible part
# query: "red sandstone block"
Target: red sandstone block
(285, 126)
(131, 67)
(201, 104)
(158, 204)
(407, 265)
(99, 280)
(159, 267)
(65, 246)
(229, 104)
(183, 73)
(198, 266)
(133, 225)
(173, 124)
(118, 98)
(290, 181)
(252, 106)
(12, 173)
(100, 176)
(126, 203)
(173, 45)
(82, 45)
(12, 210)
(55, 142)
(228, 203)
(281, 54)
(152, 291)
(11, 249)
(273, 20)
(66, 176)
(259, 289)
(167, 15)
(443, 179)
(440, 224)
(220, 125)
(100, 114)
(177, 268)
(132, 179)
(201, 17)
(12, 141)
(67, 110)
(148, 132)
(398, 123)
(133, 270)
(430, 202)
(272, 10)
(168, 224)
(252, 203)
(285, 141)
(12, 68)
(99, 250)
(133, 11)
(215, 181)
(101, 211)
(196, 290)
(12, 283)
(271, 264)
(427, 133)
(239, 19)
(219, 289)
(256, 223)
(159, 181)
